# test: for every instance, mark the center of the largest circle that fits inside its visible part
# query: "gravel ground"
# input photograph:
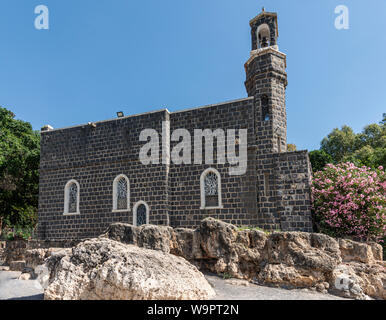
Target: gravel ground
(231, 289)
(12, 288)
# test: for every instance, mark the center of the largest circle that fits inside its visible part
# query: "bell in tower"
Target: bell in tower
(263, 34)
(264, 30)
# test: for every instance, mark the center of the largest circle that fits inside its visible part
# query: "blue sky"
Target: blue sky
(99, 57)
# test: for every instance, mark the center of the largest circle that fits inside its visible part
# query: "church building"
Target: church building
(91, 174)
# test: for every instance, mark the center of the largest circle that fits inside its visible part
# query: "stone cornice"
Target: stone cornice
(261, 52)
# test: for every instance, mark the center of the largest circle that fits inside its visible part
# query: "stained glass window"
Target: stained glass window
(141, 214)
(73, 198)
(121, 189)
(211, 190)
(122, 194)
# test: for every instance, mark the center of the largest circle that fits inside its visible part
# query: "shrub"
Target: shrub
(19, 234)
(350, 201)
(226, 276)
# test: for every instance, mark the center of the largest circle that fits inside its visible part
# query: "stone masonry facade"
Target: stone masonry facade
(274, 193)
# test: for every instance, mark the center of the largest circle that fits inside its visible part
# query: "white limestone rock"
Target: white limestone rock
(25, 276)
(105, 269)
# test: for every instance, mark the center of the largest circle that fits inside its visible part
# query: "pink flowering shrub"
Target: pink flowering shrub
(350, 201)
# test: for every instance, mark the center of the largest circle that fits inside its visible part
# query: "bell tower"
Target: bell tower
(266, 81)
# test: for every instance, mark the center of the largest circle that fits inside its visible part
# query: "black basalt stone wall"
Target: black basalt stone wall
(94, 157)
(284, 186)
(239, 193)
(293, 174)
(273, 193)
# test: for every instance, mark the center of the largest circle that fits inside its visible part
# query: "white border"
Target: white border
(115, 194)
(202, 189)
(135, 212)
(67, 198)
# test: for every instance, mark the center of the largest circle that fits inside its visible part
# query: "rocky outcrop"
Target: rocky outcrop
(362, 273)
(286, 259)
(147, 236)
(25, 276)
(215, 246)
(14, 251)
(106, 269)
(373, 278)
(248, 254)
(346, 283)
(17, 250)
(17, 265)
(36, 257)
(296, 259)
(360, 252)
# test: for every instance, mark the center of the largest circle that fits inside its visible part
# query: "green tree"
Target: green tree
(319, 159)
(373, 135)
(339, 143)
(367, 148)
(19, 171)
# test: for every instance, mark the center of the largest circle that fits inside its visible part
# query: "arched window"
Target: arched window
(140, 213)
(71, 197)
(121, 193)
(210, 184)
(263, 35)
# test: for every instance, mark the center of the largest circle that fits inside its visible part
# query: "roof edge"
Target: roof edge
(264, 13)
(150, 112)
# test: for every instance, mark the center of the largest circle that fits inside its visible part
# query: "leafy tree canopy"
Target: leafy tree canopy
(319, 159)
(19, 171)
(367, 148)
